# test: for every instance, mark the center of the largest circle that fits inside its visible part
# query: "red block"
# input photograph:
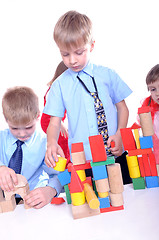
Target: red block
(139, 152)
(77, 147)
(146, 165)
(97, 148)
(141, 166)
(128, 139)
(87, 165)
(152, 164)
(111, 209)
(75, 185)
(57, 200)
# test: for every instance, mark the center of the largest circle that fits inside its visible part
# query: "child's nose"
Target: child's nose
(21, 133)
(72, 59)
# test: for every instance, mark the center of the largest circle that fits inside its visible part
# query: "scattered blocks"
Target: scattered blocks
(138, 183)
(151, 182)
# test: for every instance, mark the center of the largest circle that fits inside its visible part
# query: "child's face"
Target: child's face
(22, 132)
(76, 58)
(154, 90)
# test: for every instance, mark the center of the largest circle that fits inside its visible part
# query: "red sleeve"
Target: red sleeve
(45, 119)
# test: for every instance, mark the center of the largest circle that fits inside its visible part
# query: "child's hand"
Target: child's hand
(63, 130)
(39, 197)
(8, 179)
(118, 149)
(51, 155)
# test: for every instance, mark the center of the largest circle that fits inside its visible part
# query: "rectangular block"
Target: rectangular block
(141, 166)
(110, 160)
(146, 165)
(64, 177)
(83, 211)
(99, 172)
(146, 142)
(104, 202)
(152, 162)
(111, 209)
(138, 183)
(139, 152)
(151, 182)
(97, 148)
(128, 139)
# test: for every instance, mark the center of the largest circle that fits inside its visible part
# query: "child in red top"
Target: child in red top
(45, 119)
(152, 81)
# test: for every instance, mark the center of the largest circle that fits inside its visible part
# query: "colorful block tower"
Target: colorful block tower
(141, 160)
(92, 195)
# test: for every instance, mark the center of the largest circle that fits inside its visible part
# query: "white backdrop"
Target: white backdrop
(125, 31)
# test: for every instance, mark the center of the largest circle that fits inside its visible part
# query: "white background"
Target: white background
(126, 34)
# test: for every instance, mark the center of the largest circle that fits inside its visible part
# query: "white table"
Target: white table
(138, 221)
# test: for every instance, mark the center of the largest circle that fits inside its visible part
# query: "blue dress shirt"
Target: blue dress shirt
(68, 93)
(33, 165)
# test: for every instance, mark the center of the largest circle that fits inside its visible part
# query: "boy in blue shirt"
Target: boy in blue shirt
(21, 111)
(73, 36)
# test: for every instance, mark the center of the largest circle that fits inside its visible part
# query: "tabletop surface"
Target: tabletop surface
(138, 220)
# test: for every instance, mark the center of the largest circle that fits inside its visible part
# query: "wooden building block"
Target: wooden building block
(111, 209)
(146, 165)
(68, 195)
(81, 174)
(157, 166)
(139, 152)
(138, 183)
(78, 158)
(86, 165)
(8, 205)
(128, 139)
(110, 160)
(83, 211)
(99, 172)
(91, 197)
(141, 166)
(64, 177)
(97, 148)
(132, 161)
(146, 142)
(136, 134)
(152, 164)
(102, 185)
(116, 199)
(75, 185)
(104, 202)
(152, 182)
(115, 178)
(77, 147)
(146, 121)
(78, 198)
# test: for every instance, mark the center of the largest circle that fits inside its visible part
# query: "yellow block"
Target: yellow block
(134, 172)
(136, 134)
(132, 161)
(103, 194)
(91, 197)
(81, 174)
(61, 164)
(78, 198)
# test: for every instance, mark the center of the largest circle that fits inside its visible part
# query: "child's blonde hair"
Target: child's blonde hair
(20, 105)
(72, 30)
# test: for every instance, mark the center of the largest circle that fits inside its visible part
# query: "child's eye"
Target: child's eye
(79, 52)
(27, 128)
(152, 89)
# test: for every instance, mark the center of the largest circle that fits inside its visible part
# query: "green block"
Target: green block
(138, 183)
(68, 196)
(110, 160)
(94, 187)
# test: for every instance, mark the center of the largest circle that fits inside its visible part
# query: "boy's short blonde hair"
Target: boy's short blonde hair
(20, 105)
(72, 30)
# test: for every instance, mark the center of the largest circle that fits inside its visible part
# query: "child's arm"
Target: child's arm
(52, 147)
(8, 178)
(123, 114)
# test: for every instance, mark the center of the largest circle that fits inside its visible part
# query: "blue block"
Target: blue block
(104, 202)
(151, 182)
(99, 172)
(64, 177)
(146, 142)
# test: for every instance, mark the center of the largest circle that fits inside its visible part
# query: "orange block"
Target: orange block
(97, 148)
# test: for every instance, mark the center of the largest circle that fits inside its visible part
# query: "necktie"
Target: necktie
(16, 159)
(100, 114)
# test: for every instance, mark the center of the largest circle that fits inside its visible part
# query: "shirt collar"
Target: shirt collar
(28, 142)
(88, 69)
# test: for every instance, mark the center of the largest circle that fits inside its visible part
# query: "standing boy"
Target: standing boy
(75, 91)
(21, 111)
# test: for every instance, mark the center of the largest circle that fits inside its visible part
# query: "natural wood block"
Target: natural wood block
(83, 211)
(102, 185)
(115, 178)
(116, 199)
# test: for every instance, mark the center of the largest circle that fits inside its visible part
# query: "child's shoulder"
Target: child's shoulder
(103, 69)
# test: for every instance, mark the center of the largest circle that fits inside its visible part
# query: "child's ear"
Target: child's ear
(92, 46)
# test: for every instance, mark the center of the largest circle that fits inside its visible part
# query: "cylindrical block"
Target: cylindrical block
(132, 161)
(146, 124)
(81, 174)
(78, 198)
(102, 185)
(115, 178)
(91, 197)
(61, 164)
(116, 199)
(103, 194)
(134, 172)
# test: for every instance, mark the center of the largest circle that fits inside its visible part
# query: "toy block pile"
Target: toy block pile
(138, 142)
(7, 199)
(90, 196)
